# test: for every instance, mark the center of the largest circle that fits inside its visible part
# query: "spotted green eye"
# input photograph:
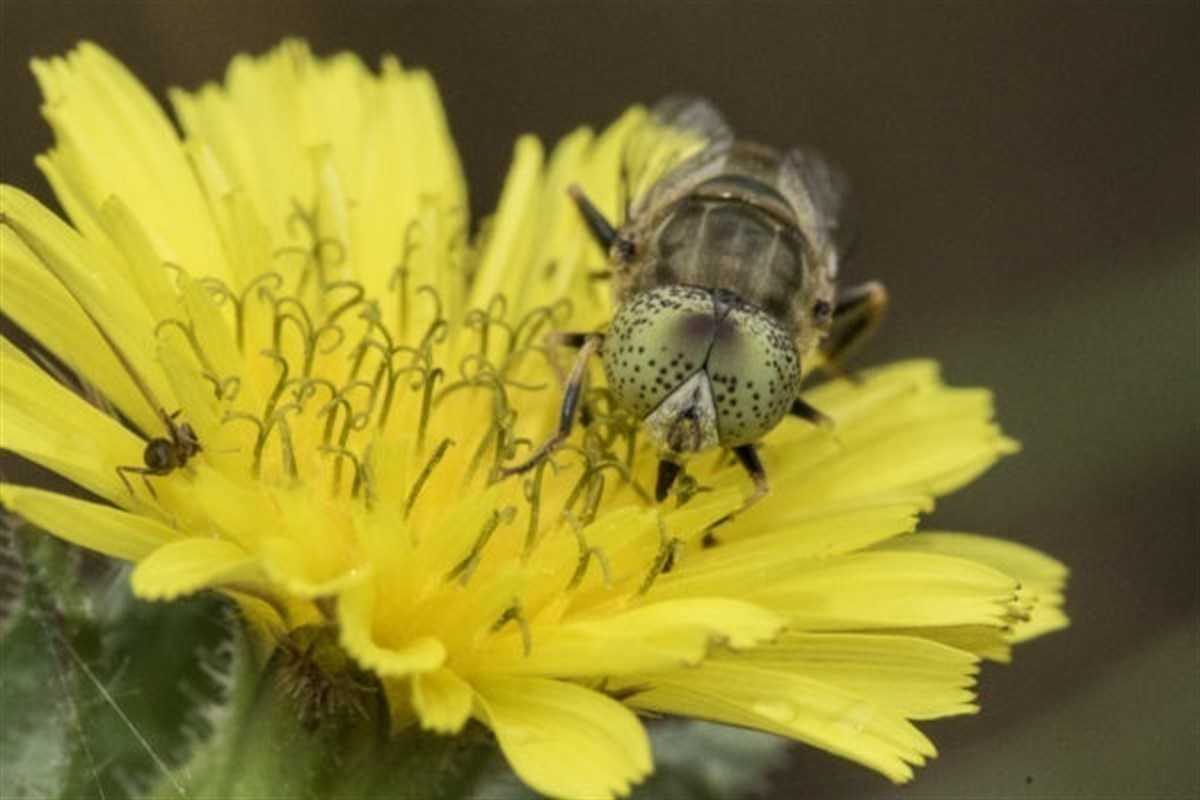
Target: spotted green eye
(657, 339)
(700, 367)
(754, 373)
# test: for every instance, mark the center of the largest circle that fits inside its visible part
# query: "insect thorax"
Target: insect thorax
(725, 243)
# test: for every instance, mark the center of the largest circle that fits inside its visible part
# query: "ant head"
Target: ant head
(160, 455)
(186, 441)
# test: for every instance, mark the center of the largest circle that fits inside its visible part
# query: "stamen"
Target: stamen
(275, 420)
(321, 252)
(341, 453)
(438, 453)
(429, 381)
(264, 286)
(436, 333)
(477, 456)
(464, 569)
(287, 452)
(356, 296)
(668, 551)
(400, 273)
(586, 554)
(485, 318)
(226, 390)
(533, 494)
(514, 614)
(328, 327)
(306, 388)
(280, 384)
(189, 333)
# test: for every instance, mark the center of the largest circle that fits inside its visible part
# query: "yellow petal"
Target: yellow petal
(106, 530)
(801, 537)
(565, 740)
(188, 565)
(111, 136)
(654, 637)
(902, 430)
(356, 615)
(821, 714)
(1041, 577)
(914, 677)
(56, 428)
(442, 700)
(511, 227)
(38, 253)
(872, 590)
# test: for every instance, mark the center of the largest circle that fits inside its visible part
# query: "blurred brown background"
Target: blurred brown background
(1028, 180)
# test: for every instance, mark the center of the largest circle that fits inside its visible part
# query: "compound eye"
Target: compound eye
(754, 373)
(657, 339)
(822, 312)
(159, 454)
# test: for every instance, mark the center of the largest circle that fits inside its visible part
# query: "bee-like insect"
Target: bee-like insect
(724, 277)
(163, 454)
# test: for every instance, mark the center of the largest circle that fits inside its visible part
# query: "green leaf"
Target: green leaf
(35, 739)
(102, 692)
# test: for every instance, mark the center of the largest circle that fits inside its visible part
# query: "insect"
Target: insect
(724, 274)
(163, 454)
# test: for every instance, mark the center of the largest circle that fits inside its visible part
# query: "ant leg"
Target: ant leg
(856, 316)
(145, 472)
(566, 415)
(124, 480)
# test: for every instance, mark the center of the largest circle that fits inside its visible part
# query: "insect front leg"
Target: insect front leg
(575, 341)
(747, 456)
(855, 317)
(145, 472)
(811, 414)
(572, 395)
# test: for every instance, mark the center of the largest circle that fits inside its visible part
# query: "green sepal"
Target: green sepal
(278, 740)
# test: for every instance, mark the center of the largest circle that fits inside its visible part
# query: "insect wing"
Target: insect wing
(820, 195)
(682, 141)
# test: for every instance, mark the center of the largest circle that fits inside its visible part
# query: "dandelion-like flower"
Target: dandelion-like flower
(288, 299)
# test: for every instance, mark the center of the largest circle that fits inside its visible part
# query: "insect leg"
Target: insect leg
(808, 413)
(574, 340)
(145, 472)
(747, 456)
(856, 316)
(566, 415)
(668, 471)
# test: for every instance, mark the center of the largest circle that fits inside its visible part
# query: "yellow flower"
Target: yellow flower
(294, 277)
